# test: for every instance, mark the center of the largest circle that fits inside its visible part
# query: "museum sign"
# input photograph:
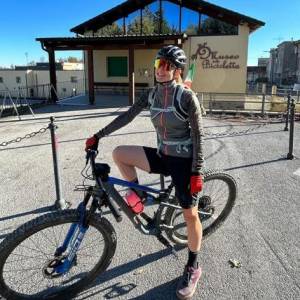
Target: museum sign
(213, 60)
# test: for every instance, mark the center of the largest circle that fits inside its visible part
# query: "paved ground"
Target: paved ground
(262, 232)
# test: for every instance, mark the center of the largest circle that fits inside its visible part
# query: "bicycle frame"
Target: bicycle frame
(104, 194)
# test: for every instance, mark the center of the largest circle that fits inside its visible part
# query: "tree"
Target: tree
(165, 27)
(72, 59)
(134, 27)
(148, 21)
(214, 26)
(113, 29)
(150, 25)
(192, 29)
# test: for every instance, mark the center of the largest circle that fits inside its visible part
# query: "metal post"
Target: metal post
(60, 203)
(162, 182)
(286, 128)
(263, 105)
(210, 104)
(291, 142)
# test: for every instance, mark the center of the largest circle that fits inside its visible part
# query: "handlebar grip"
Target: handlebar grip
(115, 210)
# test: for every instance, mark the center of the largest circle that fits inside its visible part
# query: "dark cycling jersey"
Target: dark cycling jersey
(176, 118)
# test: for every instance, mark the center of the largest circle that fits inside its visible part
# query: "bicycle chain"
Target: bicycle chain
(27, 136)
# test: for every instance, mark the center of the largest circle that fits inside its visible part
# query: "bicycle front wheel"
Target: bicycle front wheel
(26, 256)
(215, 204)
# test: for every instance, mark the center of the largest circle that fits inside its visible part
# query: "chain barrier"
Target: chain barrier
(250, 129)
(207, 134)
(27, 136)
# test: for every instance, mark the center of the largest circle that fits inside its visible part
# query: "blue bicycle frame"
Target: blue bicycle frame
(77, 231)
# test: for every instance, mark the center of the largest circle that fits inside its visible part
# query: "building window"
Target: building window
(117, 66)
(151, 18)
(133, 21)
(18, 79)
(211, 26)
(1, 79)
(170, 17)
(114, 29)
(189, 21)
(74, 79)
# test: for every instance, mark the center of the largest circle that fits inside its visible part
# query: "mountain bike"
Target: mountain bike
(58, 254)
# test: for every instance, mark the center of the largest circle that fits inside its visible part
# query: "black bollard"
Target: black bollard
(286, 128)
(60, 203)
(162, 182)
(292, 126)
(263, 105)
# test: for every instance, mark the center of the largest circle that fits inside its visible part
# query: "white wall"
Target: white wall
(37, 81)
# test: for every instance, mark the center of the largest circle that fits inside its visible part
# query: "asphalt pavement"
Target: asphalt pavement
(262, 232)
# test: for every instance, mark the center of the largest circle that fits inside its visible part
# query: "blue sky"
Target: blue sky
(23, 21)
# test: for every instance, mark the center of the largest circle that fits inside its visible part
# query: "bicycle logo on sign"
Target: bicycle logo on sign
(203, 52)
(213, 60)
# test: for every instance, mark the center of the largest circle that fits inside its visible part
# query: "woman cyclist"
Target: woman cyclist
(176, 115)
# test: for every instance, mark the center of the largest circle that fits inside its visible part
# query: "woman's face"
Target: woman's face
(163, 70)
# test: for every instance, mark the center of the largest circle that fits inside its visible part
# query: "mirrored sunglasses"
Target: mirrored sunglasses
(160, 62)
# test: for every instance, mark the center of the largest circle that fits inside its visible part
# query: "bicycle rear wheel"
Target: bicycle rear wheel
(215, 204)
(25, 256)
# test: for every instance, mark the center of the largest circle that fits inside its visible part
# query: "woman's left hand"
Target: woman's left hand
(196, 183)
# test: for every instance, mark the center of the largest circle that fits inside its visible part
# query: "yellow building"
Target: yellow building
(120, 44)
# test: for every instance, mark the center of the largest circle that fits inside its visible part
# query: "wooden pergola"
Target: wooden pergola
(132, 42)
(90, 44)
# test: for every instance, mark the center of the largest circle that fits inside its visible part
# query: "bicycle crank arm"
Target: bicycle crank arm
(166, 243)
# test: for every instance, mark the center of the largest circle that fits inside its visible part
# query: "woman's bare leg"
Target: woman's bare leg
(194, 228)
(129, 157)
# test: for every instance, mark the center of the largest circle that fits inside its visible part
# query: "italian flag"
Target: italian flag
(190, 75)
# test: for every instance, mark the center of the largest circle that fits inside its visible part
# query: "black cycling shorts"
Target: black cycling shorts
(179, 168)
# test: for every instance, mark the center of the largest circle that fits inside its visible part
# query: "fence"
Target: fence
(263, 104)
(22, 98)
(121, 88)
(64, 89)
(250, 103)
(61, 203)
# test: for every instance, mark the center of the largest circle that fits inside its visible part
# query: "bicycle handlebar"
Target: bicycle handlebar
(91, 155)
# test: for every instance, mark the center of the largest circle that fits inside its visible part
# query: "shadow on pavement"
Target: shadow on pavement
(117, 291)
(35, 211)
(233, 134)
(163, 291)
(256, 164)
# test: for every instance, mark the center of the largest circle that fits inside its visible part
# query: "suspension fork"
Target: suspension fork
(75, 234)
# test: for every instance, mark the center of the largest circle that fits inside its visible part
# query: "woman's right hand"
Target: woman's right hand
(196, 183)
